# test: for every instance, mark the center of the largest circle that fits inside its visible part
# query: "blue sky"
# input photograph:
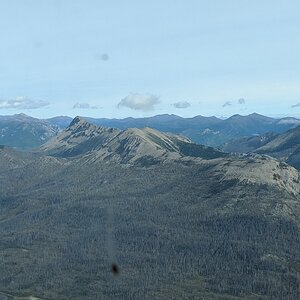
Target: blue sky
(140, 58)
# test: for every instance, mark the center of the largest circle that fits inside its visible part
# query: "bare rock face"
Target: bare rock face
(78, 138)
(138, 145)
(144, 146)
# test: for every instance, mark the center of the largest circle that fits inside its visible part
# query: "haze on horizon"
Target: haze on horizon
(133, 58)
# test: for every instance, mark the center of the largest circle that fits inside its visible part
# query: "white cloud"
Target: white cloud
(227, 103)
(241, 101)
(144, 102)
(22, 103)
(181, 104)
(85, 106)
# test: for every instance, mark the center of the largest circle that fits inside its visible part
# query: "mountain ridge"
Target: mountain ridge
(284, 146)
(209, 131)
(196, 223)
(129, 145)
(25, 132)
(147, 147)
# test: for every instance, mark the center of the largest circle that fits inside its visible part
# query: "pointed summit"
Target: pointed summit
(78, 121)
(144, 147)
(80, 126)
(79, 137)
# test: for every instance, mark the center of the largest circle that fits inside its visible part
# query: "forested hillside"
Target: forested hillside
(184, 227)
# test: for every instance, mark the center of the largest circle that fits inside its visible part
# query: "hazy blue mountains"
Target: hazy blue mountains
(24, 132)
(209, 131)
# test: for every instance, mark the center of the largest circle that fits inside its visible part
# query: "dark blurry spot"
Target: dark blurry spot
(227, 103)
(102, 56)
(241, 101)
(37, 44)
(296, 105)
(115, 269)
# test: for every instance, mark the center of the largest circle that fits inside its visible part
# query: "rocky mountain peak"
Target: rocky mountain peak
(132, 145)
(79, 121)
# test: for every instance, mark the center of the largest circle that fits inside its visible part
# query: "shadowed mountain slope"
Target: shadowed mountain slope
(248, 144)
(285, 146)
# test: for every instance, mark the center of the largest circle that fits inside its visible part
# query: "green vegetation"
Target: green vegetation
(174, 234)
(207, 225)
(24, 132)
(194, 150)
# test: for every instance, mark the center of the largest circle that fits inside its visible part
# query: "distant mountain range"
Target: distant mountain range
(210, 131)
(24, 132)
(180, 220)
(60, 121)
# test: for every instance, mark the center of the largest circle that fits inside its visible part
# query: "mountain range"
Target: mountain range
(210, 131)
(178, 219)
(24, 132)
(129, 145)
(285, 146)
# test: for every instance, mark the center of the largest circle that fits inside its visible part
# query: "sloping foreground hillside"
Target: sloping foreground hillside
(285, 146)
(184, 227)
